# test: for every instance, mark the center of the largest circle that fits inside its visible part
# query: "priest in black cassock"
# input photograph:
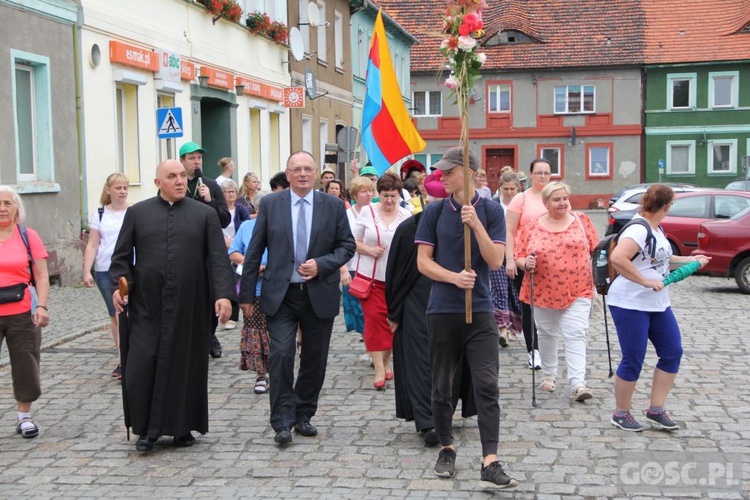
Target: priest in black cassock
(172, 252)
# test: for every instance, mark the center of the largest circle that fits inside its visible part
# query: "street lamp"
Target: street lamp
(203, 81)
(239, 88)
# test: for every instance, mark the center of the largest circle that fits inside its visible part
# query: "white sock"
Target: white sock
(22, 416)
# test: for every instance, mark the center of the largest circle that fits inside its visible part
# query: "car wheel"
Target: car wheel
(742, 275)
(675, 250)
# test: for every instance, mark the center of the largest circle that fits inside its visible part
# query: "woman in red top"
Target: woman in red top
(20, 326)
(558, 246)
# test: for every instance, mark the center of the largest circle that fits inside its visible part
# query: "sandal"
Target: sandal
(29, 430)
(548, 384)
(261, 385)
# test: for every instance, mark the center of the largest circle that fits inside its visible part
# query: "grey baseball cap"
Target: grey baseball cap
(454, 157)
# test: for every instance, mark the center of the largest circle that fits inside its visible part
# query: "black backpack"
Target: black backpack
(603, 271)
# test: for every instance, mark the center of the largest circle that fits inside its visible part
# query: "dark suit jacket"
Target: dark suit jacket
(331, 245)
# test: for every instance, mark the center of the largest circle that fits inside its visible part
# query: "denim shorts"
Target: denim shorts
(105, 287)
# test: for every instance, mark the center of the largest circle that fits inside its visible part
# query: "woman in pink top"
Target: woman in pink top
(21, 322)
(558, 246)
(525, 206)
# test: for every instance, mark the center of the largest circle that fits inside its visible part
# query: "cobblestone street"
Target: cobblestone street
(558, 449)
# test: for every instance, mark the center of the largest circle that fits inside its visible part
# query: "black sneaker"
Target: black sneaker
(215, 350)
(626, 422)
(446, 463)
(493, 476)
(662, 421)
(430, 438)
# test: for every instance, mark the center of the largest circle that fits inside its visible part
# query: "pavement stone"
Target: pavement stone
(559, 449)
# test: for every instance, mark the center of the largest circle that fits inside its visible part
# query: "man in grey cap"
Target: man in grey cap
(440, 257)
(209, 192)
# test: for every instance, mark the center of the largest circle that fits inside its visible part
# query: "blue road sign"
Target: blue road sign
(169, 123)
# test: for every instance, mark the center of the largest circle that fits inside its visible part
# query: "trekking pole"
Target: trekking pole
(606, 334)
(533, 337)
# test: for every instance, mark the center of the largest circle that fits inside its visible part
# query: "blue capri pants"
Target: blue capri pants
(106, 289)
(634, 330)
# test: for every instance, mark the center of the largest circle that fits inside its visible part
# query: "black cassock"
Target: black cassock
(406, 293)
(181, 268)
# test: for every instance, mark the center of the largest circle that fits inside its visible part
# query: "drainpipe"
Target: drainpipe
(78, 72)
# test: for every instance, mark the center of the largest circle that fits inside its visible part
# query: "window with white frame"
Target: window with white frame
(276, 10)
(681, 89)
(304, 24)
(128, 146)
(322, 30)
(167, 147)
(428, 103)
(722, 158)
(32, 117)
(499, 98)
(723, 89)
(428, 159)
(575, 99)
(255, 141)
(307, 134)
(680, 157)
(599, 164)
(362, 51)
(323, 138)
(274, 146)
(338, 33)
(552, 155)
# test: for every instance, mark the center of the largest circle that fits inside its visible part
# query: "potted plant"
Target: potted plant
(278, 33)
(258, 22)
(229, 9)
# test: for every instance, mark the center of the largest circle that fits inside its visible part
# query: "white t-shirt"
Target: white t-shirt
(364, 231)
(229, 231)
(220, 180)
(109, 230)
(629, 295)
(351, 215)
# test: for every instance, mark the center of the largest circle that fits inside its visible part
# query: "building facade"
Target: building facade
(228, 83)
(39, 124)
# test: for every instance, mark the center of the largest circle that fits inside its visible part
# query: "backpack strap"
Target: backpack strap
(25, 238)
(650, 238)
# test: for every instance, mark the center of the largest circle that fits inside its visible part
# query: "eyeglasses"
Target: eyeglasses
(230, 191)
(299, 170)
(541, 174)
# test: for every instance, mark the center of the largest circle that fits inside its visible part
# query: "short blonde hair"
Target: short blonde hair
(17, 201)
(224, 163)
(105, 199)
(360, 184)
(552, 187)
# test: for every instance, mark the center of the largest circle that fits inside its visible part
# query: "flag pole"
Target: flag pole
(462, 95)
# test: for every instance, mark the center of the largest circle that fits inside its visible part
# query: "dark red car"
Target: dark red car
(727, 242)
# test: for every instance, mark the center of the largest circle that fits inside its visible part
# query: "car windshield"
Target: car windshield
(740, 215)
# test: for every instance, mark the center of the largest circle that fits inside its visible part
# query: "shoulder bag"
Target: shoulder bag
(360, 287)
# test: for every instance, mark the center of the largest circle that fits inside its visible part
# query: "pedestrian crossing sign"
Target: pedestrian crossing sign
(169, 121)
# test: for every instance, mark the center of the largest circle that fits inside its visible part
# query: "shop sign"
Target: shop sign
(294, 97)
(218, 78)
(169, 66)
(130, 55)
(260, 89)
(187, 70)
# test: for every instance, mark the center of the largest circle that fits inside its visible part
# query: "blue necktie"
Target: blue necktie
(300, 246)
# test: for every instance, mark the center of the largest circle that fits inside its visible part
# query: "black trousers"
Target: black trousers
(528, 328)
(294, 402)
(450, 338)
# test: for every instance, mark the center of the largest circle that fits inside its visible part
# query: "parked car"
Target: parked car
(727, 242)
(689, 210)
(645, 186)
(631, 197)
(738, 186)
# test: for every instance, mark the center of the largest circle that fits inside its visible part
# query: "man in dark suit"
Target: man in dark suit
(308, 240)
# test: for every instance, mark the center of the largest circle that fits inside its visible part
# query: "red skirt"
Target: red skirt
(378, 335)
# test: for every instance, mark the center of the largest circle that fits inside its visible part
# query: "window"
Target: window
(304, 24)
(681, 88)
(553, 155)
(428, 103)
(691, 206)
(574, 99)
(599, 160)
(128, 147)
(307, 134)
(167, 147)
(338, 31)
(32, 113)
(275, 10)
(428, 159)
(727, 205)
(322, 30)
(723, 89)
(680, 157)
(323, 137)
(722, 156)
(256, 149)
(363, 55)
(499, 98)
(274, 146)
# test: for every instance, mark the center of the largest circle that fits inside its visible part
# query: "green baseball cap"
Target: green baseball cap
(368, 171)
(191, 147)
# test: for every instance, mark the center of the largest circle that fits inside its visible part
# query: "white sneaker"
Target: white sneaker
(537, 361)
(230, 325)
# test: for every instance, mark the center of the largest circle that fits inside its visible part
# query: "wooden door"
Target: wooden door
(496, 160)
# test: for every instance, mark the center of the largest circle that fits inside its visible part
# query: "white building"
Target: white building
(141, 55)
